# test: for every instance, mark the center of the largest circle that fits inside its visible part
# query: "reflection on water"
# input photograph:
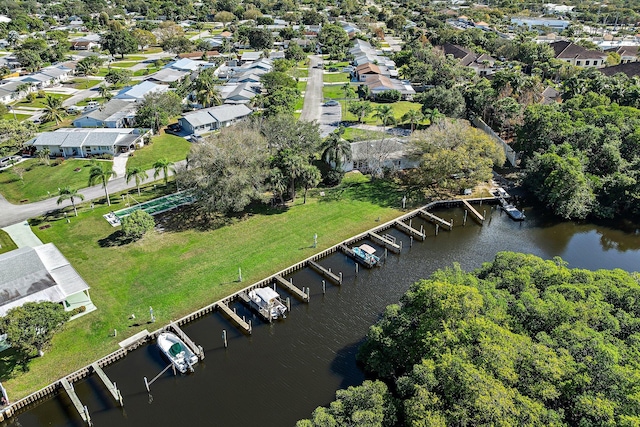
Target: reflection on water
(284, 370)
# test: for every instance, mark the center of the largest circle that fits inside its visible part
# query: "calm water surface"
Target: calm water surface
(285, 370)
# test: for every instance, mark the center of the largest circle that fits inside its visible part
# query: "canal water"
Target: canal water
(283, 371)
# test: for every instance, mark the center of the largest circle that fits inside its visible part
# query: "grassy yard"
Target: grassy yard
(39, 102)
(302, 86)
(82, 83)
(335, 77)
(38, 179)
(172, 147)
(135, 58)
(355, 135)
(399, 109)
(6, 244)
(18, 117)
(146, 71)
(333, 92)
(177, 272)
(124, 64)
(154, 49)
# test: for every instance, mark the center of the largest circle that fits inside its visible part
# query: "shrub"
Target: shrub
(389, 96)
(137, 224)
(41, 94)
(333, 177)
(57, 161)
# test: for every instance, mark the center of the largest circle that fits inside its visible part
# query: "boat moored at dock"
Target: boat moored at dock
(176, 351)
(267, 303)
(365, 254)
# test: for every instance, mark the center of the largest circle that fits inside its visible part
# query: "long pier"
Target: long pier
(473, 211)
(237, 320)
(294, 290)
(410, 230)
(82, 410)
(382, 240)
(325, 273)
(435, 219)
(197, 350)
(111, 386)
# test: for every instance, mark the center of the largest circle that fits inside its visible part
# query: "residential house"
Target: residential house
(378, 155)
(250, 57)
(631, 69)
(138, 92)
(550, 96)
(167, 76)
(483, 65)
(117, 113)
(214, 118)
(378, 84)
(41, 273)
(627, 53)
(241, 93)
(554, 24)
(74, 142)
(577, 55)
(9, 91)
(87, 42)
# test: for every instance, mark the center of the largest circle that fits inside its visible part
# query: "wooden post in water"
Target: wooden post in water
(410, 241)
(308, 294)
(250, 326)
(437, 226)
(324, 287)
(288, 304)
(175, 373)
(451, 223)
(385, 253)
(410, 220)
(224, 337)
(484, 213)
(341, 277)
(357, 268)
(422, 230)
(146, 385)
(464, 220)
(400, 244)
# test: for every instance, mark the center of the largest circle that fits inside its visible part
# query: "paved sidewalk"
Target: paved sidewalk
(22, 235)
(120, 165)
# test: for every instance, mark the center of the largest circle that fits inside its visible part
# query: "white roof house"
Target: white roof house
(117, 113)
(376, 155)
(138, 92)
(167, 76)
(185, 64)
(82, 142)
(41, 273)
(210, 119)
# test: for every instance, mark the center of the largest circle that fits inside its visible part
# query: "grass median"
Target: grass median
(178, 272)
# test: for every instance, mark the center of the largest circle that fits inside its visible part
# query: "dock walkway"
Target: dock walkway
(435, 219)
(473, 211)
(410, 230)
(237, 320)
(75, 400)
(325, 273)
(294, 290)
(115, 393)
(388, 244)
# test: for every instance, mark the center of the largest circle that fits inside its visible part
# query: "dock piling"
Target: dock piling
(410, 241)
(341, 277)
(234, 317)
(357, 268)
(385, 253)
(82, 410)
(324, 287)
(288, 304)
(288, 285)
(326, 273)
(474, 212)
(464, 220)
(146, 385)
(111, 386)
(437, 226)
(224, 337)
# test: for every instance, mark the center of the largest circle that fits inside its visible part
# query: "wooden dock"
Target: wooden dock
(350, 253)
(197, 350)
(435, 219)
(409, 230)
(76, 401)
(473, 211)
(115, 393)
(381, 240)
(235, 319)
(294, 290)
(325, 273)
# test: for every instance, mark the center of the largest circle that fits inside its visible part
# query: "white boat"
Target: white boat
(268, 303)
(176, 351)
(365, 254)
(514, 213)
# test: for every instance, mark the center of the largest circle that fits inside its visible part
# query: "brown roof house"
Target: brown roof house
(627, 53)
(577, 55)
(484, 65)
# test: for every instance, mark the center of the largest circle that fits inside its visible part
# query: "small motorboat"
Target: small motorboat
(177, 352)
(514, 213)
(365, 254)
(268, 303)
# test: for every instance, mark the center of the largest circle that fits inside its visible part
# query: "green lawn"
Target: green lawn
(335, 77)
(135, 58)
(354, 135)
(38, 179)
(333, 92)
(6, 244)
(39, 102)
(82, 83)
(172, 147)
(153, 50)
(302, 86)
(146, 71)
(298, 72)
(399, 109)
(18, 117)
(178, 272)
(124, 64)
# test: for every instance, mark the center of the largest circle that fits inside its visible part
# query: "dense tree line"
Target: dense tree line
(520, 341)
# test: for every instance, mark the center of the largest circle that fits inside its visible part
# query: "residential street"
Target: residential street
(313, 109)
(11, 214)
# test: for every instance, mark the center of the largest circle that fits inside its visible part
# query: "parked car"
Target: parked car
(331, 103)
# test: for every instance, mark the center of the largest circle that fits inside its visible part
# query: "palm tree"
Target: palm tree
(67, 193)
(205, 89)
(414, 117)
(310, 176)
(53, 109)
(138, 174)
(346, 88)
(102, 173)
(278, 183)
(335, 150)
(86, 69)
(385, 114)
(163, 165)
(105, 92)
(433, 115)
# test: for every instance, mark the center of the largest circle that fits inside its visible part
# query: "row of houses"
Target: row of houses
(376, 71)
(14, 88)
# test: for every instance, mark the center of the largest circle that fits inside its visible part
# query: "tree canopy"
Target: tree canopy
(519, 341)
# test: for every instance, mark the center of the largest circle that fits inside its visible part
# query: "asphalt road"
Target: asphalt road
(313, 109)
(11, 214)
